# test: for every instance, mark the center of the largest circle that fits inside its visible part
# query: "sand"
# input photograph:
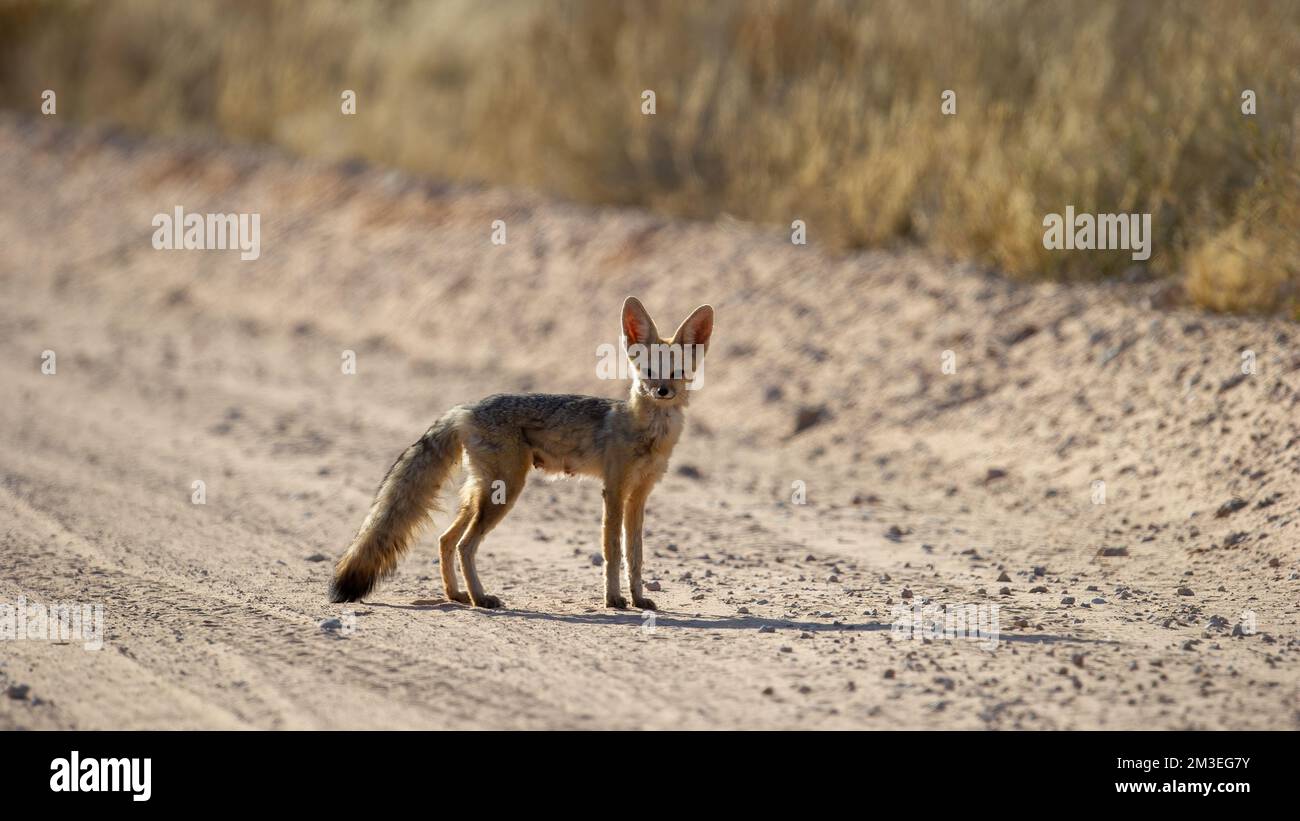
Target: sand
(833, 470)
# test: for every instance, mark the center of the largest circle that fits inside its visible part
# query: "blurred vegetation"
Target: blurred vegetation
(822, 110)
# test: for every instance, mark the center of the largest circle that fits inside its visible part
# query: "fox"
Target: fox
(498, 440)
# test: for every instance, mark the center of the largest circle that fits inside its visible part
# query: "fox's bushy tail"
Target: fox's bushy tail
(402, 504)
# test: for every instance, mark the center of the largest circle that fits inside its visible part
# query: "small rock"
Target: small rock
(1067, 600)
(653, 586)
(809, 416)
(18, 691)
(690, 472)
(1019, 335)
(1229, 507)
(318, 557)
(895, 533)
(1185, 591)
(1004, 577)
(767, 628)
(1232, 382)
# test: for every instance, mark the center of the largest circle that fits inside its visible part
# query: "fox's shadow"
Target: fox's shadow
(668, 619)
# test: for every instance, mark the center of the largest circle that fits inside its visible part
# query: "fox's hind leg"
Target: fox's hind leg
(493, 494)
(447, 553)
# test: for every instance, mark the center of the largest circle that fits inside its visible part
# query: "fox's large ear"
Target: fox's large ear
(638, 327)
(697, 328)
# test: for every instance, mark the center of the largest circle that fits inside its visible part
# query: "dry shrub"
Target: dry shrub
(769, 110)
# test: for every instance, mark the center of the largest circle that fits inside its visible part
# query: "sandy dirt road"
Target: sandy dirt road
(921, 485)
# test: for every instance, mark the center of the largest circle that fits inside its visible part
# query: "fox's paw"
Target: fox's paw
(615, 601)
(459, 596)
(644, 603)
(490, 602)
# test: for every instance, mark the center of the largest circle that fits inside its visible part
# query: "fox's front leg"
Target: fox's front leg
(633, 521)
(611, 531)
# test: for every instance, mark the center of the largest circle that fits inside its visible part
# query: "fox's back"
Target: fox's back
(566, 433)
(542, 410)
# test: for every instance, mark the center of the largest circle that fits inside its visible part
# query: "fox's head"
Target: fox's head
(663, 368)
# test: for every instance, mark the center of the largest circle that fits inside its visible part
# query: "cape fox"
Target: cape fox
(625, 443)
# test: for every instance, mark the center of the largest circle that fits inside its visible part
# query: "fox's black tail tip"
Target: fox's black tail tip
(349, 587)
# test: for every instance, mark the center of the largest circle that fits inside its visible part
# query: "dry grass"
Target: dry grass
(823, 111)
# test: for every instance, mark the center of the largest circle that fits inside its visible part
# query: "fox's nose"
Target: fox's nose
(664, 392)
